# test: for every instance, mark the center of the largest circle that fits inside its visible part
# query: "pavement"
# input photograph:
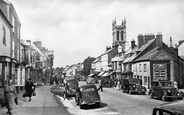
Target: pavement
(44, 103)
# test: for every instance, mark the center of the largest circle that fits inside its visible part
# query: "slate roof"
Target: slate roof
(108, 51)
(148, 55)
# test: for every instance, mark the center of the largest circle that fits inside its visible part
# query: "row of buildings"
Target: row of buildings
(20, 59)
(150, 60)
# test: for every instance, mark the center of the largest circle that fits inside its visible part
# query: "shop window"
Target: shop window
(145, 80)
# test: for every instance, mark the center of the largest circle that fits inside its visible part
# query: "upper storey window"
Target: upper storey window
(13, 24)
(4, 35)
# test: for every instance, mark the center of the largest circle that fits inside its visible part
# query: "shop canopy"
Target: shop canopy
(101, 73)
(90, 75)
(105, 74)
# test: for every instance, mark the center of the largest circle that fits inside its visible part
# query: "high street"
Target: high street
(115, 103)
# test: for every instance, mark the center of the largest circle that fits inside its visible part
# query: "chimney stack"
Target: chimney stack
(140, 40)
(133, 45)
(159, 40)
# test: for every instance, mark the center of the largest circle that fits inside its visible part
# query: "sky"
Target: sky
(76, 29)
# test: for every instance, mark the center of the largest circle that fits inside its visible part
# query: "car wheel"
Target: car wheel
(143, 93)
(130, 92)
(98, 104)
(81, 106)
(76, 100)
(163, 97)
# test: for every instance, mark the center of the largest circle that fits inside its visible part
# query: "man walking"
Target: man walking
(30, 87)
(100, 85)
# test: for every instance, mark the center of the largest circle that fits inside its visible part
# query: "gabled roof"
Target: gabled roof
(148, 55)
(96, 60)
(108, 51)
(156, 51)
(142, 49)
(129, 59)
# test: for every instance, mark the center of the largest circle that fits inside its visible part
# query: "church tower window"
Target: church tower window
(117, 35)
(122, 35)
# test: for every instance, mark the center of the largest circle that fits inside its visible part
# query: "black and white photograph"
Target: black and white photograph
(91, 57)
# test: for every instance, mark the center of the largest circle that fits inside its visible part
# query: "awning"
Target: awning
(90, 75)
(101, 73)
(105, 74)
(111, 72)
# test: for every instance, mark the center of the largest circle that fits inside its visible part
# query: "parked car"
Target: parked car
(71, 85)
(106, 83)
(124, 85)
(133, 85)
(90, 80)
(174, 108)
(87, 95)
(165, 90)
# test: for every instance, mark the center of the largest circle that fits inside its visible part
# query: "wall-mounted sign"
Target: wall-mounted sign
(159, 71)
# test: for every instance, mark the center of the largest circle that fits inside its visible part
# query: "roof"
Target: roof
(129, 59)
(96, 60)
(175, 107)
(108, 51)
(154, 52)
(88, 86)
(148, 55)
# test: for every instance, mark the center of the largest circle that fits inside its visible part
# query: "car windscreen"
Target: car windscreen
(167, 84)
(134, 81)
(88, 90)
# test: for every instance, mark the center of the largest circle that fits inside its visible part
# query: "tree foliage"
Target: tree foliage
(87, 65)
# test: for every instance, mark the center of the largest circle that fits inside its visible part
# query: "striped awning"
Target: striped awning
(101, 73)
(105, 74)
(90, 75)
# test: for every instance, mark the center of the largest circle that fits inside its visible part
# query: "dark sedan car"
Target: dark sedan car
(174, 108)
(165, 90)
(87, 95)
(133, 85)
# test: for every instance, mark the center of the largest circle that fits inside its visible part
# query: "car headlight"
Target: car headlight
(169, 91)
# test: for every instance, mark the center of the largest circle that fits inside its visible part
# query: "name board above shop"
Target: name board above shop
(160, 71)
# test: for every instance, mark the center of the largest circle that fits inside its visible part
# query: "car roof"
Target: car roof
(161, 81)
(88, 86)
(175, 107)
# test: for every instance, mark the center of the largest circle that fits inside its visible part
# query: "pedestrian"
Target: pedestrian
(100, 85)
(10, 95)
(118, 85)
(30, 87)
(175, 84)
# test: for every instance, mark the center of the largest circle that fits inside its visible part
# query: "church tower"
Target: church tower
(119, 34)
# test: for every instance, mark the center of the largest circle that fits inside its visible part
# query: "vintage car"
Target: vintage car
(106, 83)
(71, 85)
(90, 80)
(87, 95)
(174, 108)
(133, 85)
(164, 90)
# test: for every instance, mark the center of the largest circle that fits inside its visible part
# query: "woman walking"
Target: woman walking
(30, 87)
(10, 95)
